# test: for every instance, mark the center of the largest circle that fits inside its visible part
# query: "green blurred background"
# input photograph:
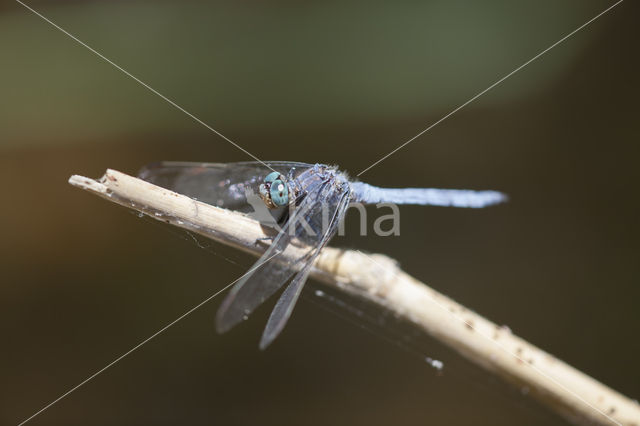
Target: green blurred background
(335, 82)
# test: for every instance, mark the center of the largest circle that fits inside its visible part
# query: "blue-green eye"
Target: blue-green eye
(279, 192)
(271, 177)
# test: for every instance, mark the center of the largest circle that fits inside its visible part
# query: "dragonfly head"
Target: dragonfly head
(274, 190)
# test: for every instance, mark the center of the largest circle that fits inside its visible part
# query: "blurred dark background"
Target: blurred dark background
(334, 82)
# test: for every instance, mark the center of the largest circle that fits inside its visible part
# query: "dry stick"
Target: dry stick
(378, 279)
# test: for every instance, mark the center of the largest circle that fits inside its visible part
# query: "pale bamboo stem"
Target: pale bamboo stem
(378, 279)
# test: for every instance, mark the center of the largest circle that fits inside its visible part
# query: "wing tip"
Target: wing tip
(265, 342)
(227, 318)
(223, 322)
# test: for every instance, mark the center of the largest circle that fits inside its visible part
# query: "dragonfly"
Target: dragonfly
(307, 201)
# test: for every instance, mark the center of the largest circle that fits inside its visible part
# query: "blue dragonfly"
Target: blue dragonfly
(309, 201)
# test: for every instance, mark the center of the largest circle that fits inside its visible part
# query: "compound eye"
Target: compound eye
(271, 177)
(279, 192)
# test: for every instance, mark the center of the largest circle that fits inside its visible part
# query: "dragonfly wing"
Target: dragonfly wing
(273, 269)
(284, 307)
(264, 278)
(218, 184)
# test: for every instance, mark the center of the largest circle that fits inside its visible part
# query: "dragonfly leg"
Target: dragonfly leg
(290, 175)
(282, 220)
(262, 240)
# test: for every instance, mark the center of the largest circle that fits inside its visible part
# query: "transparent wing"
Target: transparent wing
(272, 270)
(284, 307)
(218, 184)
(264, 278)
